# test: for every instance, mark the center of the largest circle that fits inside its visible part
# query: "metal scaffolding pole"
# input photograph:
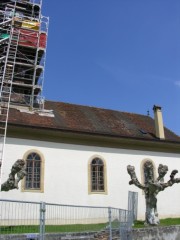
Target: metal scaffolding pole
(23, 40)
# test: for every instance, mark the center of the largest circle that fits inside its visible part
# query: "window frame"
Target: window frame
(23, 186)
(90, 181)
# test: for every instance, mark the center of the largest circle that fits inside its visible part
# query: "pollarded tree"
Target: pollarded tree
(152, 187)
(17, 173)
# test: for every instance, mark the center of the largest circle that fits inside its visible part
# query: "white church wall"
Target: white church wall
(66, 175)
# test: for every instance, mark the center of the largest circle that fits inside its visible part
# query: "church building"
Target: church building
(79, 155)
(74, 154)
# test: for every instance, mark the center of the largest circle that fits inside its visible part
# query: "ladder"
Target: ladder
(6, 87)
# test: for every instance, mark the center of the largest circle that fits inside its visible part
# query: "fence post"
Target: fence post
(42, 221)
(110, 223)
(120, 223)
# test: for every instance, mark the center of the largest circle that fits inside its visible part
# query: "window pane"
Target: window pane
(33, 168)
(97, 175)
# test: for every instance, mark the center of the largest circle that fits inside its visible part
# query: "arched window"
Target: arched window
(33, 168)
(97, 175)
(34, 180)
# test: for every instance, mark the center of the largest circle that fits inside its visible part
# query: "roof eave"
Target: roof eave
(91, 139)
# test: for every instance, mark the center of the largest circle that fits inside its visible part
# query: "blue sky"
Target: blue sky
(115, 54)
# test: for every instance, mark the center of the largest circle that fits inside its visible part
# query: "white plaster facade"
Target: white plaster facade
(66, 175)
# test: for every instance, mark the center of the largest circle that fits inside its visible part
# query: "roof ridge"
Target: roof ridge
(100, 108)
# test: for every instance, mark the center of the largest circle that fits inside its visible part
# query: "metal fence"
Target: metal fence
(133, 204)
(126, 227)
(40, 220)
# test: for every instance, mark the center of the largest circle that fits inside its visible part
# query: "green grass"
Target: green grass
(163, 222)
(77, 227)
(52, 228)
(18, 229)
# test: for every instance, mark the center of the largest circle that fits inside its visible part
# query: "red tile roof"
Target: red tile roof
(85, 119)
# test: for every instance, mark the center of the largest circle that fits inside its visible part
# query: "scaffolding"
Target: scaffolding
(23, 39)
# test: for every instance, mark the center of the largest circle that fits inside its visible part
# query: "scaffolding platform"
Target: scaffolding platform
(23, 41)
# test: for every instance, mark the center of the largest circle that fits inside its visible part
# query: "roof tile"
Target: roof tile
(92, 120)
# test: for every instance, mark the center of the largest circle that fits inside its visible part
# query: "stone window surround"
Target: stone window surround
(41, 190)
(89, 176)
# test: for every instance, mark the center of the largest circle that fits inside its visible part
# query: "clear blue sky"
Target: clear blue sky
(115, 54)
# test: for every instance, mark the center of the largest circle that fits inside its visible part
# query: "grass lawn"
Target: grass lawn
(52, 228)
(163, 222)
(77, 227)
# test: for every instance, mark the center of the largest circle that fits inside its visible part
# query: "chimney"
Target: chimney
(158, 122)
